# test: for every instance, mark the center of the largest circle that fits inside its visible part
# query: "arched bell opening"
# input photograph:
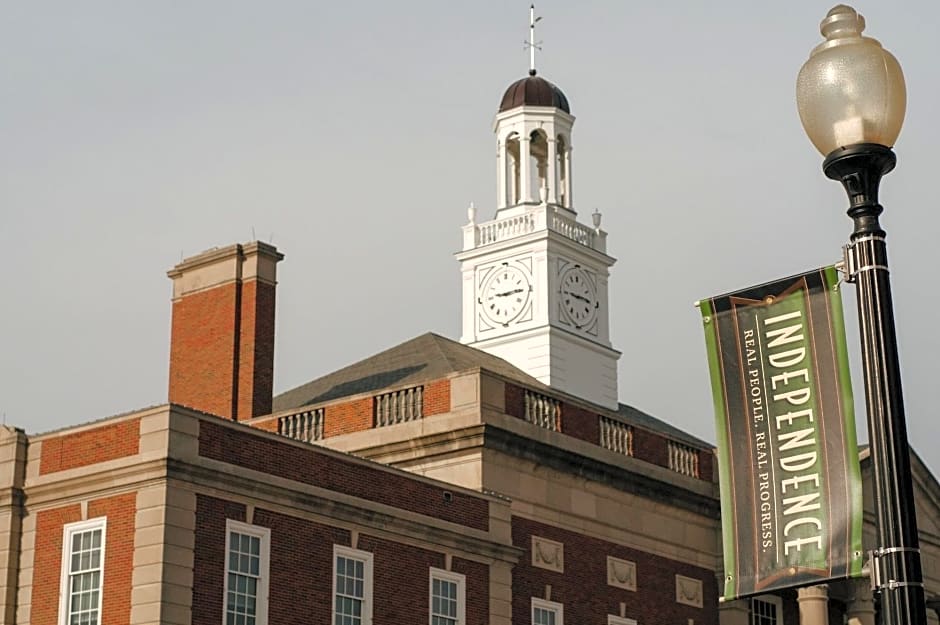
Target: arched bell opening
(539, 175)
(511, 170)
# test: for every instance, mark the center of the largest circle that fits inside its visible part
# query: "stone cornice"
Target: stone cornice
(587, 467)
(238, 483)
(636, 477)
(334, 508)
(95, 481)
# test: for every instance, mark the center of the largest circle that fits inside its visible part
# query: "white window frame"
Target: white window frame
(264, 534)
(775, 600)
(65, 587)
(551, 606)
(620, 620)
(367, 559)
(455, 578)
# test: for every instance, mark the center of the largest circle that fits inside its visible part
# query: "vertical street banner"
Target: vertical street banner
(787, 453)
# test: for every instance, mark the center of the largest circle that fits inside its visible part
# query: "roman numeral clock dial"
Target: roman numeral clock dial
(505, 294)
(578, 297)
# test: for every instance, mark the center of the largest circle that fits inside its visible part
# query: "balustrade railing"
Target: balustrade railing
(542, 410)
(683, 459)
(616, 436)
(399, 406)
(306, 426)
(573, 230)
(536, 218)
(505, 229)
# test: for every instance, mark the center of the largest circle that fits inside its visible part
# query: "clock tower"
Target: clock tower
(534, 277)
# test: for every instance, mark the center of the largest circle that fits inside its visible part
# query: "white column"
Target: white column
(932, 618)
(552, 172)
(543, 182)
(860, 608)
(525, 175)
(737, 612)
(501, 175)
(568, 183)
(814, 605)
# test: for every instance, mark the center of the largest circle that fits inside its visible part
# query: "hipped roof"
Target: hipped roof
(430, 357)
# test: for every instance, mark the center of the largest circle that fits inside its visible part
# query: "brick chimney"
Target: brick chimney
(222, 339)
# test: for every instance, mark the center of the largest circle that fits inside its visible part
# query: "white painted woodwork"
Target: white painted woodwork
(535, 234)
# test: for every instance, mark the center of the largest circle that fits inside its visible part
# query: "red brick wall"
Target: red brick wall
(222, 350)
(256, 350)
(477, 589)
(47, 571)
(209, 557)
(118, 564)
(119, 555)
(80, 449)
(268, 425)
(706, 466)
(585, 425)
(359, 414)
(583, 589)
(311, 466)
(580, 423)
(401, 577)
(650, 447)
(515, 401)
(301, 570)
(353, 416)
(202, 350)
(436, 397)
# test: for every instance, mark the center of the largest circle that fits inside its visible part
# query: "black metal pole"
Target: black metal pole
(896, 568)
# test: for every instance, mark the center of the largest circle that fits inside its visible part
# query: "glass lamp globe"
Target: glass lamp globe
(851, 90)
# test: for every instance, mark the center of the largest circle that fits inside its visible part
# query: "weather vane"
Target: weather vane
(532, 45)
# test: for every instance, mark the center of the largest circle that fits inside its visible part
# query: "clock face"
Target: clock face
(578, 297)
(505, 294)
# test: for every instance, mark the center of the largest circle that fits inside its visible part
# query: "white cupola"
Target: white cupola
(533, 138)
(534, 277)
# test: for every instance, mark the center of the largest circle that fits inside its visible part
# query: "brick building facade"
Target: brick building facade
(435, 482)
(432, 479)
(432, 482)
(160, 515)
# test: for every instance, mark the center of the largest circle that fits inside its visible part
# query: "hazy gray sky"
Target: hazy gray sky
(354, 134)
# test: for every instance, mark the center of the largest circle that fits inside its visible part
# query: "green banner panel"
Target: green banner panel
(787, 453)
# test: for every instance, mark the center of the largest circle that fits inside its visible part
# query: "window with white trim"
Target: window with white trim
(448, 598)
(247, 549)
(352, 586)
(82, 572)
(766, 610)
(547, 612)
(619, 620)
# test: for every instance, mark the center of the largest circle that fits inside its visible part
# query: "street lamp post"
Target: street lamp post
(851, 98)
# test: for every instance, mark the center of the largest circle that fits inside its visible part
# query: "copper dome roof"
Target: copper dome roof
(533, 91)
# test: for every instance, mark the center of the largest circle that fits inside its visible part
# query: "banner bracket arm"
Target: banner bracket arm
(848, 266)
(876, 569)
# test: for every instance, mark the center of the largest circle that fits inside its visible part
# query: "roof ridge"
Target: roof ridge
(440, 349)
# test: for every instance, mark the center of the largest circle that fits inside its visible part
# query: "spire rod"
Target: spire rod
(532, 44)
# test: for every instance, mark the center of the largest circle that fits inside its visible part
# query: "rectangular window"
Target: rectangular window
(766, 610)
(246, 579)
(619, 620)
(82, 572)
(352, 586)
(547, 612)
(448, 598)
